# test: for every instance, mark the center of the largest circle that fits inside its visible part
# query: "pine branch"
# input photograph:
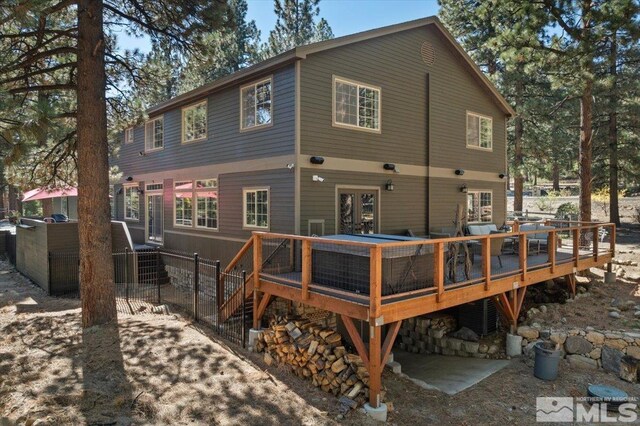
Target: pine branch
(43, 88)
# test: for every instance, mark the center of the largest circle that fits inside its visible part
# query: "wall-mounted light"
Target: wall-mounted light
(291, 166)
(316, 159)
(317, 178)
(501, 175)
(142, 154)
(463, 188)
(129, 179)
(389, 185)
(119, 190)
(459, 172)
(389, 166)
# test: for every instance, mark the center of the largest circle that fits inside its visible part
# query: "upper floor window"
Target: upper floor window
(255, 104)
(356, 105)
(131, 203)
(479, 131)
(154, 134)
(194, 122)
(256, 208)
(128, 135)
(479, 206)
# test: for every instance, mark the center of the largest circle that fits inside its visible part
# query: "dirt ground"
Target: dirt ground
(162, 369)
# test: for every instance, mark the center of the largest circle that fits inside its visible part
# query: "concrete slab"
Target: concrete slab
(448, 374)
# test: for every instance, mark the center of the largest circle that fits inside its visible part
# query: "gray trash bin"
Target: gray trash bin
(546, 361)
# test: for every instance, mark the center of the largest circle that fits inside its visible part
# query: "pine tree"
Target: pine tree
(295, 26)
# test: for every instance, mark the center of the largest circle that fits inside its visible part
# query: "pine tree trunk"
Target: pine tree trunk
(586, 154)
(47, 207)
(13, 199)
(614, 210)
(555, 176)
(94, 225)
(518, 181)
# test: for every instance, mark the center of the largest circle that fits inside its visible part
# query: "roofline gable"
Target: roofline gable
(302, 52)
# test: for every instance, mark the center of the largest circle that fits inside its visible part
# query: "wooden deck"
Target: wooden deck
(385, 283)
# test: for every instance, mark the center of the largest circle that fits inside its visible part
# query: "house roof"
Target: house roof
(301, 52)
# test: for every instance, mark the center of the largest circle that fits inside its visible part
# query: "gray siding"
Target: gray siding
(401, 209)
(446, 195)
(225, 142)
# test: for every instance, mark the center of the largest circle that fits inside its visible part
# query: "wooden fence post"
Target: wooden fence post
(306, 268)
(486, 261)
(438, 269)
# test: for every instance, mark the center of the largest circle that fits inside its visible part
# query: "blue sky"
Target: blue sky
(344, 16)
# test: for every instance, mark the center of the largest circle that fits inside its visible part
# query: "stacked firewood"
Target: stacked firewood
(315, 352)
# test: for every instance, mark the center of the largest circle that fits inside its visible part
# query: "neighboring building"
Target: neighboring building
(363, 133)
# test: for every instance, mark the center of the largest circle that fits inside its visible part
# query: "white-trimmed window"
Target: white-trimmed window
(183, 196)
(356, 105)
(255, 104)
(256, 208)
(128, 135)
(207, 203)
(194, 122)
(154, 134)
(479, 206)
(479, 131)
(131, 203)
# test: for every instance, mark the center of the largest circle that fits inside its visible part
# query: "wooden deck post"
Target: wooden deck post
(257, 268)
(375, 364)
(595, 243)
(576, 247)
(486, 261)
(375, 281)
(438, 269)
(552, 246)
(523, 248)
(306, 268)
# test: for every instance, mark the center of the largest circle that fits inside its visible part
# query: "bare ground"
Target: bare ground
(161, 369)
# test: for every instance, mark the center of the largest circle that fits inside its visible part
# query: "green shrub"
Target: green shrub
(543, 204)
(567, 209)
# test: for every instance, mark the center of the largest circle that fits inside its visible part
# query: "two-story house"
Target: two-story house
(377, 132)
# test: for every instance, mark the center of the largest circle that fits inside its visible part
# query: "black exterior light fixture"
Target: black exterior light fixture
(141, 154)
(129, 179)
(459, 172)
(463, 188)
(389, 166)
(501, 175)
(316, 159)
(389, 185)
(119, 191)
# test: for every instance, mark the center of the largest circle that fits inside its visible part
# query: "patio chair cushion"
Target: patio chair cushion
(481, 229)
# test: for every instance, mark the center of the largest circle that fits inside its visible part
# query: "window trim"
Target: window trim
(359, 84)
(466, 139)
(126, 135)
(194, 203)
(245, 190)
(124, 201)
(153, 120)
(206, 123)
(479, 191)
(259, 126)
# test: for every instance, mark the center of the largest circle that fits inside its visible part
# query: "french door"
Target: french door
(154, 218)
(357, 211)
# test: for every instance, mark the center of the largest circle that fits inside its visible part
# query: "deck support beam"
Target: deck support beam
(511, 305)
(570, 279)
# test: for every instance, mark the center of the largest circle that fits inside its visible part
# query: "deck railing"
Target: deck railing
(374, 273)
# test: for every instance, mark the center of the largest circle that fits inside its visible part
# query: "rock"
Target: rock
(595, 337)
(532, 312)
(582, 289)
(558, 338)
(611, 359)
(543, 309)
(528, 333)
(633, 352)
(577, 345)
(470, 347)
(636, 314)
(545, 334)
(596, 353)
(580, 361)
(629, 369)
(563, 320)
(465, 334)
(619, 344)
(493, 349)
(614, 314)
(483, 348)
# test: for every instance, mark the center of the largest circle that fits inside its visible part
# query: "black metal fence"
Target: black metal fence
(146, 279)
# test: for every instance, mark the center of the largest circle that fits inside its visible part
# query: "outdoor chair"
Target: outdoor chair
(538, 241)
(496, 247)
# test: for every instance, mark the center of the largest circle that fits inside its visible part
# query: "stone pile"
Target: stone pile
(615, 351)
(434, 334)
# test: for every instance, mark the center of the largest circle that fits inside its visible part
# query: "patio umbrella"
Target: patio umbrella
(44, 193)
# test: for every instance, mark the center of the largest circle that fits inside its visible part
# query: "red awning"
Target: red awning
(44, 193)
